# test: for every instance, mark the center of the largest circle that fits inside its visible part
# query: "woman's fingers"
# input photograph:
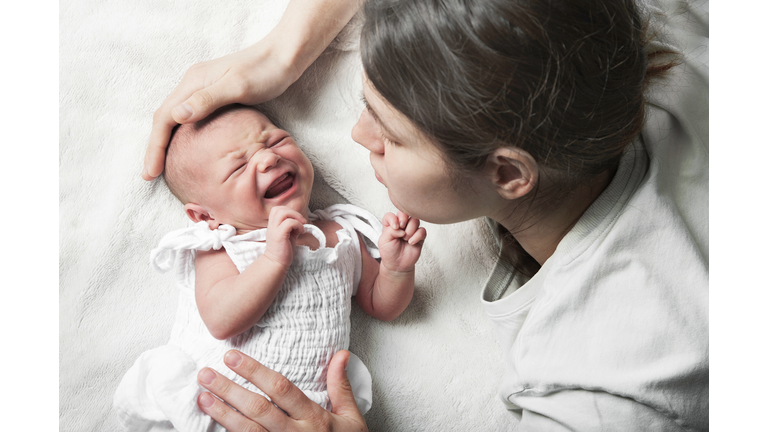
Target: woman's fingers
(251, 406)
(282, 392)
(162, 126)
(256, 413)
(203, 102)
(154, 158)
(204, 88)
(225, 415)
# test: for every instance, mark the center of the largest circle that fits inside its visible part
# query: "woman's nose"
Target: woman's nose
(366, 133)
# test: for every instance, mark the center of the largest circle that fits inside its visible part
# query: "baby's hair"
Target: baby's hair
(180, 175)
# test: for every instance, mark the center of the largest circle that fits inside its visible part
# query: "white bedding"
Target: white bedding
(434, 368)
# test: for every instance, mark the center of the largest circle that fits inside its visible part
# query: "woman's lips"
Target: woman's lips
(378, 177)
(279, 186)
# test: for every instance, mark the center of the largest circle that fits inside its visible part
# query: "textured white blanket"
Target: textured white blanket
(434, 368)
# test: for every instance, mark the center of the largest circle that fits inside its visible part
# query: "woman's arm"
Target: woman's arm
(254, 75)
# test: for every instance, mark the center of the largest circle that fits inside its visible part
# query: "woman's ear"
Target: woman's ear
(513, 172)
(198, 213)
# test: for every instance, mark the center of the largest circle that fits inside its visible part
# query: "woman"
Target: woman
(530, 114)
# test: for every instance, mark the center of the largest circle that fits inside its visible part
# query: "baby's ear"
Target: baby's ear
(196, 212)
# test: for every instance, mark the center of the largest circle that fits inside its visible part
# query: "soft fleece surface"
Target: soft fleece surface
(434, 368)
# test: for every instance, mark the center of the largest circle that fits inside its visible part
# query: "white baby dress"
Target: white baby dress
(307, 323)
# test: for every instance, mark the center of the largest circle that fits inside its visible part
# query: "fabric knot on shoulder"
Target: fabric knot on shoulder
(197, 237)
(360, 220)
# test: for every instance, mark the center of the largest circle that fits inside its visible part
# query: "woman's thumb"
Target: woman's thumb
(339, 389)
(202, 103)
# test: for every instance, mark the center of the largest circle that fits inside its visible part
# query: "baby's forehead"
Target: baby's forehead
(222, 133)
(236, 123)
(232, 135)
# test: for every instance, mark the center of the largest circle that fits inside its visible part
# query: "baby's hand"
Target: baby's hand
(400, 242)
(285, 225)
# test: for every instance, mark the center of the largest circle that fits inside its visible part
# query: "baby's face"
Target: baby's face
(250, 166)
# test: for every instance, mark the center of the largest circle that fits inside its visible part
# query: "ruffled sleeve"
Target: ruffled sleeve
(355, 220)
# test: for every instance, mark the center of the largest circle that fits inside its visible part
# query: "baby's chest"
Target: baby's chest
(312, 296)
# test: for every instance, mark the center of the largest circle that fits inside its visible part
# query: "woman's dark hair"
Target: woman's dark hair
(562, 80)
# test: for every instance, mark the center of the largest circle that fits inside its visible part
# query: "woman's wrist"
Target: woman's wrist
(305, 31)
(287, 54)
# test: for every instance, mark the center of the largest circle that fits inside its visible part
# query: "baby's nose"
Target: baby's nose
(267, 160)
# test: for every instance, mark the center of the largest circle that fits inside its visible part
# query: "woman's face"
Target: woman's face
(412, 168)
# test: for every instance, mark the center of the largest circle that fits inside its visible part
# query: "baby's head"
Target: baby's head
(234, 166)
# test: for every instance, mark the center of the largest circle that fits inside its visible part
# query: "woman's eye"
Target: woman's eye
(387, 140)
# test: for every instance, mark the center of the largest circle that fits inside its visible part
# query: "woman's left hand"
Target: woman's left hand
(256, 413)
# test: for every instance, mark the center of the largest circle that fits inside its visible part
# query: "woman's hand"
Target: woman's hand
(256, 413)
(251, 76)
(254, 75)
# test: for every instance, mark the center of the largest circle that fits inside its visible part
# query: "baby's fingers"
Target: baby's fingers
(402, 219)
(418, 236)
(292, 227)
(391, 227)
(411, 227)
(390, 220)
(281, 213)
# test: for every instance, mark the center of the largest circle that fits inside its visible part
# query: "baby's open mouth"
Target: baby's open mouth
(280, 185)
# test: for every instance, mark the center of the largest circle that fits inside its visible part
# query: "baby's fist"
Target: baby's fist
(284, 226)
(401, 241)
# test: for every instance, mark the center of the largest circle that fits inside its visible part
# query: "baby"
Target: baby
(259, 273)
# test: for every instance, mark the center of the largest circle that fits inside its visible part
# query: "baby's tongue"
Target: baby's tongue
(281, 185)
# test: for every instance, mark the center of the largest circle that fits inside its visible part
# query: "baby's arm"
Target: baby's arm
(231, 302)
(386, 289)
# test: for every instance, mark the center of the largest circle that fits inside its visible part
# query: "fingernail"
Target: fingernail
(206, 376)
(233, 359)
(206, 400)
(183, 111)
(346, 362)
